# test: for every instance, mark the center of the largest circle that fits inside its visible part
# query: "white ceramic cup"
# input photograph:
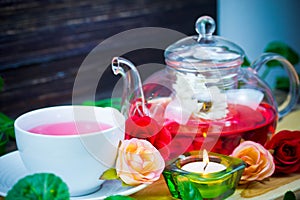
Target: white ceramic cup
(78, 159)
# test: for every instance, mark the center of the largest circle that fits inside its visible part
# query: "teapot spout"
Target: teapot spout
(132, 86)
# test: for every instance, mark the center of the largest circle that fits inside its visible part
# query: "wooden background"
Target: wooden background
(43, 43)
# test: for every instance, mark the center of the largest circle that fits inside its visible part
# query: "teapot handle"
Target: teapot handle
(293, 94)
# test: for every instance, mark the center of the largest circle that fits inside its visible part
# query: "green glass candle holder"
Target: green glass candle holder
(216, 185)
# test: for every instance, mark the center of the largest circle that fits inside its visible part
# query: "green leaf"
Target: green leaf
(113, 102)
(1, 83)
(8, 129)
(289, 195)
(3, 142)
(4, 118)
(118, 197)
(7, 125)
(282, 83)
(124, 184)
(187, 189)
(283, 50)
(246, 62)
(42, 186)
(110, 174)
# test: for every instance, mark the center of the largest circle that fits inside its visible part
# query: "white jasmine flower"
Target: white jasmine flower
(216, 107)
(184, 104)
(194, 98)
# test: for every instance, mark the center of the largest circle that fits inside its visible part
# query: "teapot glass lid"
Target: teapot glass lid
(203, 51)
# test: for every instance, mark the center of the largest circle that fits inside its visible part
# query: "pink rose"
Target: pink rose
(259, 161)
(138, 162)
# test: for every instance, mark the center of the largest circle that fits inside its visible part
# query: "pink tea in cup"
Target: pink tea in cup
(70, 128)
(48, 142)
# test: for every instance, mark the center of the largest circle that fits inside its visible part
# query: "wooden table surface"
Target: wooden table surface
(155, 191)
(272, 188)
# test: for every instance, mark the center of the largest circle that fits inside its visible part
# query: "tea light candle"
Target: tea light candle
(200, 167)
(204, 166)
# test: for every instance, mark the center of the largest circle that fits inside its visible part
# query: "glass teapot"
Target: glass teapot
(203, 99)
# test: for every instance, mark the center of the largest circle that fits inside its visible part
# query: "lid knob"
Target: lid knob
(205, 26)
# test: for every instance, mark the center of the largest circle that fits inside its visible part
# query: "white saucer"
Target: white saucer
(12, 169)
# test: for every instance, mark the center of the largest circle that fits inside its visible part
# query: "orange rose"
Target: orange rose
(139, 162)
(260, 164)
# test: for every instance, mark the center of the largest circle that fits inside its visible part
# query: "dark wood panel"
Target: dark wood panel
(43, 43)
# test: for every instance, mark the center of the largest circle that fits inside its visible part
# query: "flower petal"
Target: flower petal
(260, 164)
(138, 162)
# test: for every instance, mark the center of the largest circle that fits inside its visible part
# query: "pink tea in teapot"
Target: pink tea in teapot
(222, 136)
(242, 124)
